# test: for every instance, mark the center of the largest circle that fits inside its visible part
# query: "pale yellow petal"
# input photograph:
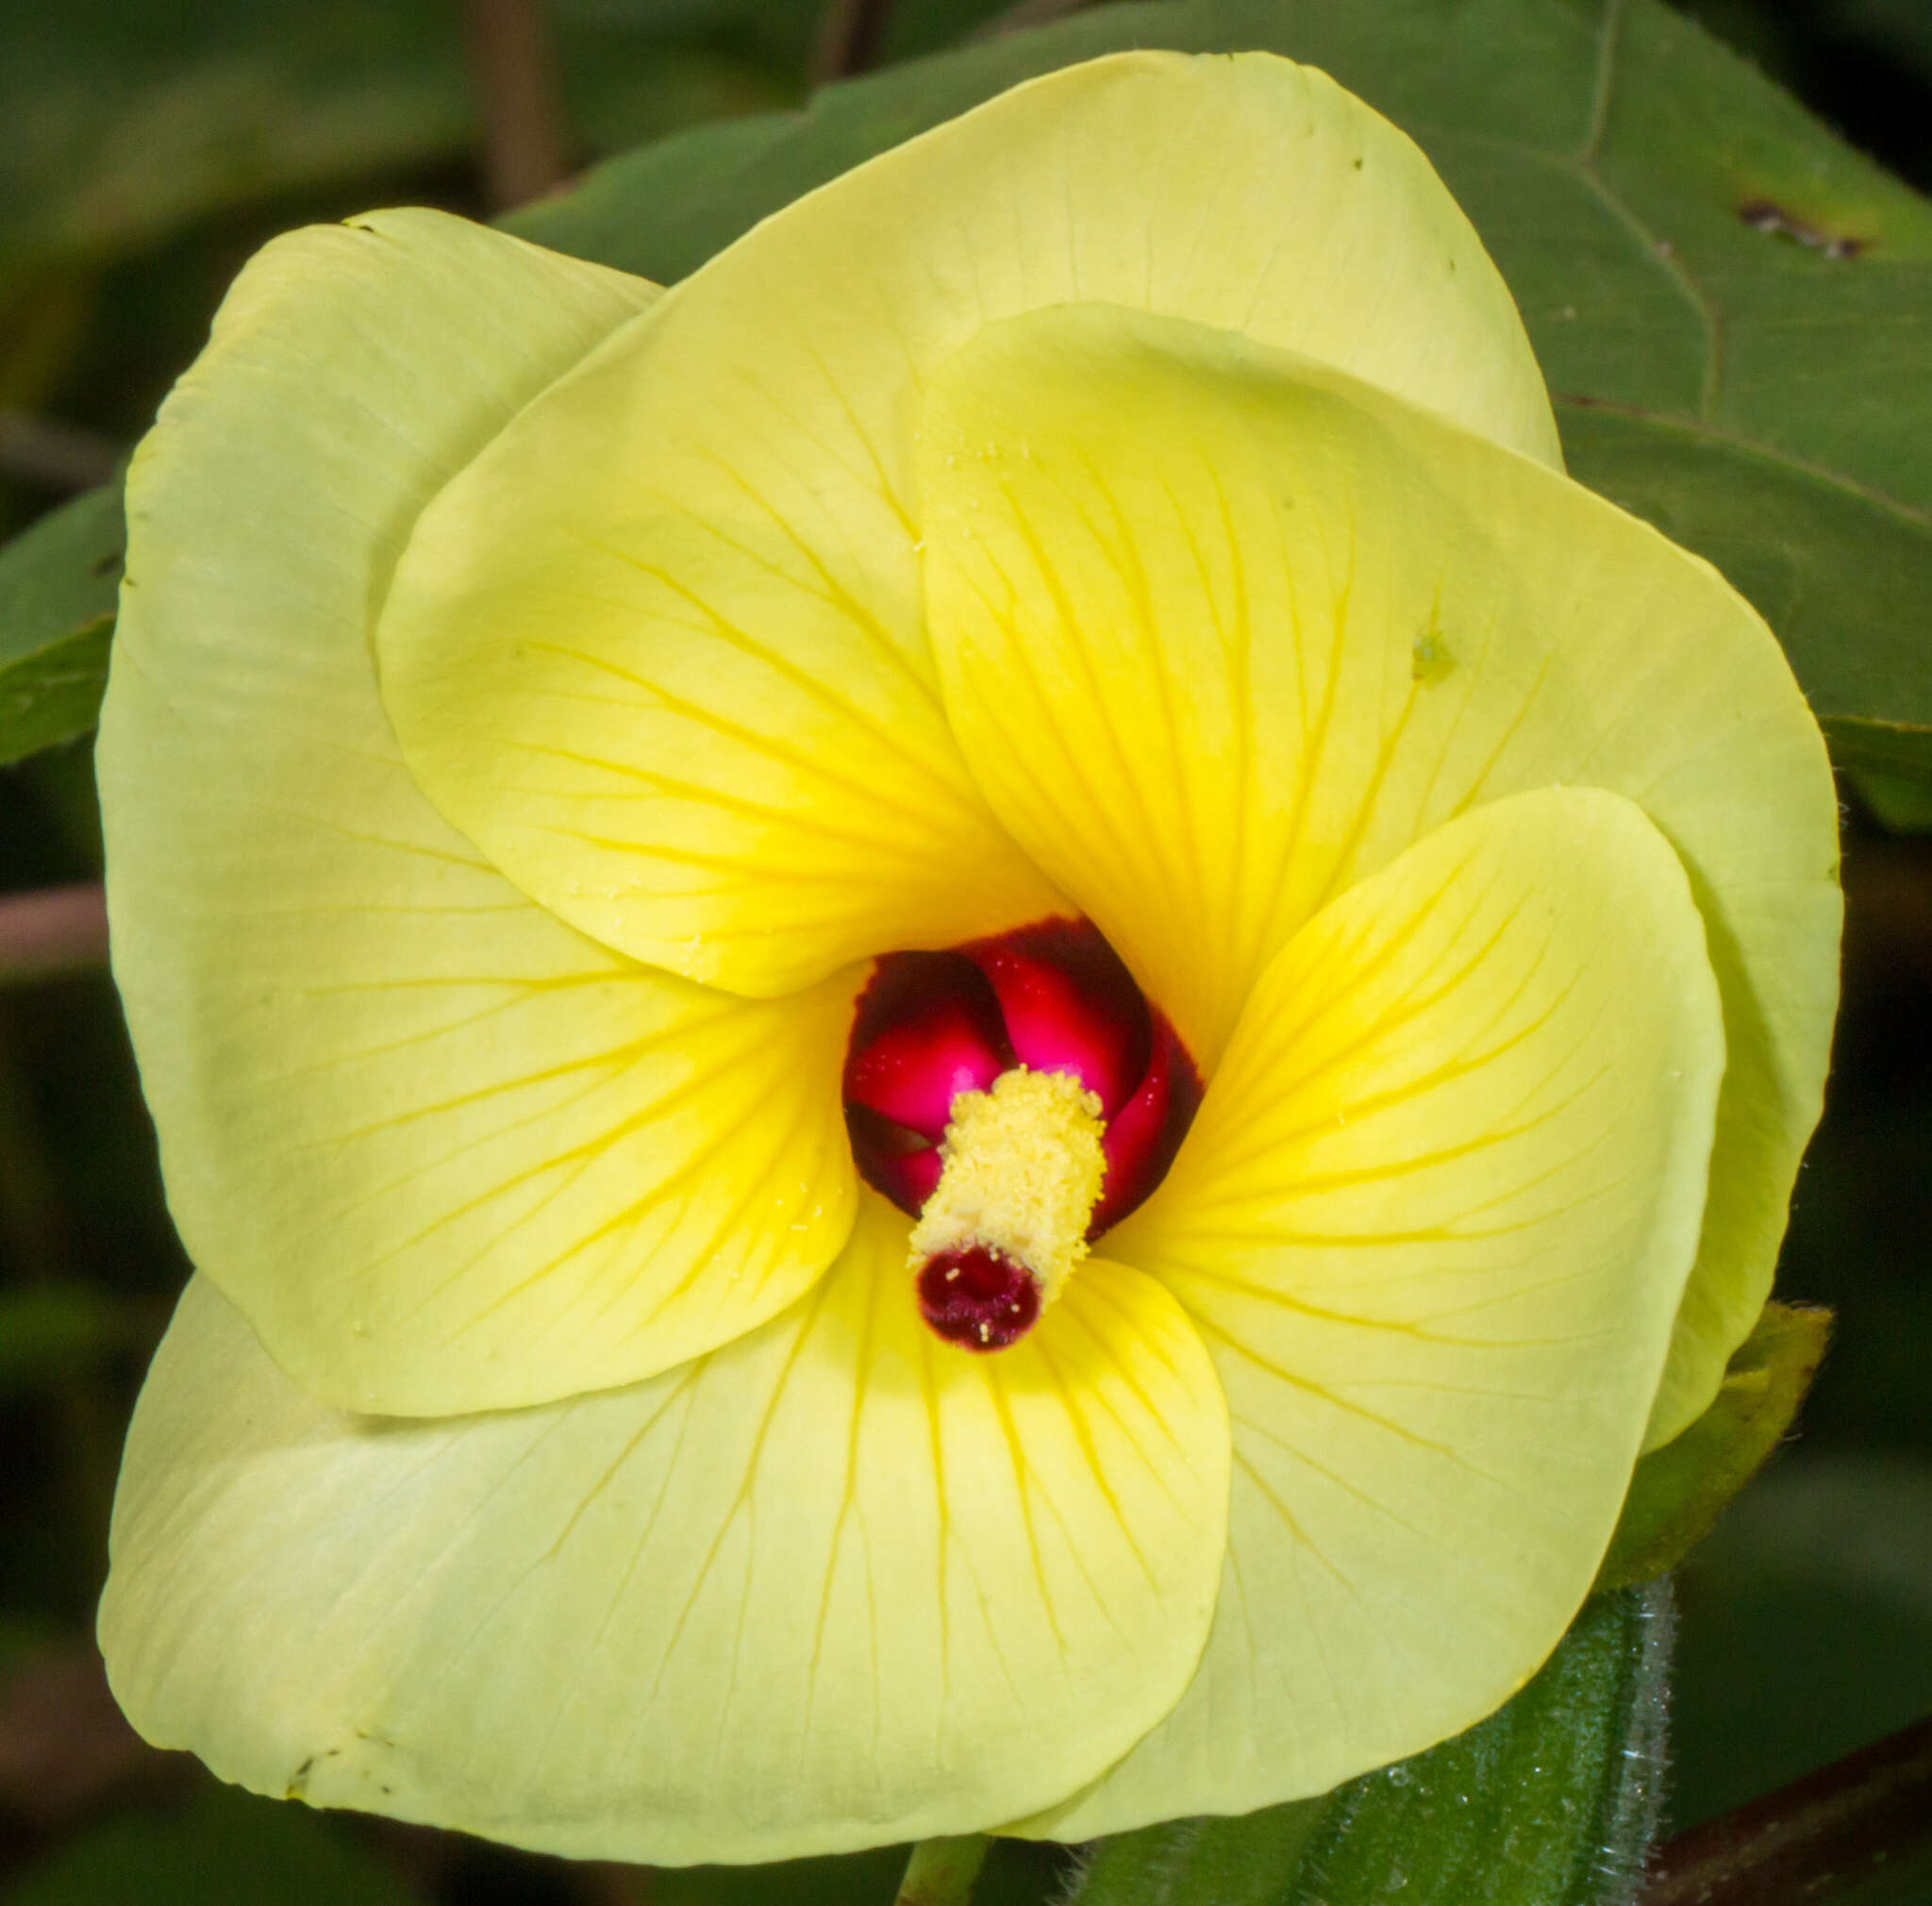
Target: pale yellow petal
(660, 649)
(1433, 1220)
(838, 1584)
(445, 1152)
(1223, 632)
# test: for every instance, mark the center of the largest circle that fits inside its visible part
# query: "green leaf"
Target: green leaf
(58, 585)
(22, 1637)
(1843, 574)
(869, 1879)
(224, 1846)
(1017, 1873)
(1806, 1625)
(1679, 1491)
(1733, 308)
(1898, 804)
(1551, 1801)
(48, 1330)
(130, 119)
(146, 139)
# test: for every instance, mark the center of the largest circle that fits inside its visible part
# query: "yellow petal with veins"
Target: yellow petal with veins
(446, 1152)
(1223, 632)
(1433, 1220)
(837, 1584)
(660, 649)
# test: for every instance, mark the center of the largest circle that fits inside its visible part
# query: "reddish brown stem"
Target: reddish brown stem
(54, 456)
(1829, 1830)
(58, 929)
(849, 35)
(513, 71)
(1027, 15)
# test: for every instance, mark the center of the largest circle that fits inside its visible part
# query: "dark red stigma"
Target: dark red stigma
(1054, 997)
(977, 1299)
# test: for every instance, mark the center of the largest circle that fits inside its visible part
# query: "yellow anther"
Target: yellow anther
(1022, 1174)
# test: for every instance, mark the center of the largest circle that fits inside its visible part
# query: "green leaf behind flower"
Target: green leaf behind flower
(1732, 307)
(1549, 1802)
(1679, 1491)
(867, 1879)
(1898, 803)
(224, 1846)
(130, 119)
(48, 1330)
(57, 586)
(1844, 575)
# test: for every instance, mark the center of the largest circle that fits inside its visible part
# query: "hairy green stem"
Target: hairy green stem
(941, 1872)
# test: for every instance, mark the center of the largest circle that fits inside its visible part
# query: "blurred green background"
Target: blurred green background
(148, 147)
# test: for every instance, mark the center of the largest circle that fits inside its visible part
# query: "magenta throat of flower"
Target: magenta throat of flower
(1050, 999)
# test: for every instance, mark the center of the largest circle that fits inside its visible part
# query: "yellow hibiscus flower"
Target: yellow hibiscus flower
(962, 1032)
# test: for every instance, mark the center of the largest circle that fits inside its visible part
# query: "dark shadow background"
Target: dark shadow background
(146, 150)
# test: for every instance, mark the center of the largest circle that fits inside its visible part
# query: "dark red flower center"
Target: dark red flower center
(1052, 997)
(977, 1297)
